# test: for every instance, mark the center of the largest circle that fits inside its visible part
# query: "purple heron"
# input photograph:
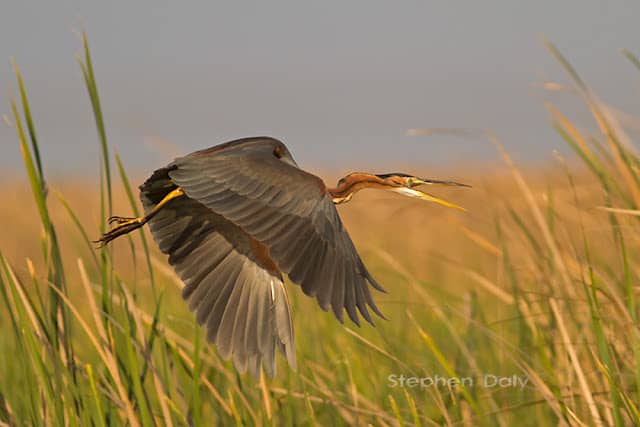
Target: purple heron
(234, 217)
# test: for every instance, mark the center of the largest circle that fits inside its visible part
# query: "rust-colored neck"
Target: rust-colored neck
(353, 183)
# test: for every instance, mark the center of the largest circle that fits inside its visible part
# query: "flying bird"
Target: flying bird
(233, 218)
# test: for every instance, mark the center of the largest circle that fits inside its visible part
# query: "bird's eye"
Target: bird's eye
(277, 151)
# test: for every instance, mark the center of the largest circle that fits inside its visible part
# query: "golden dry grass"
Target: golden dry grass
(438, 265)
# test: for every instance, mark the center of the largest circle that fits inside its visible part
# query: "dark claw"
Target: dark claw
(119, 219)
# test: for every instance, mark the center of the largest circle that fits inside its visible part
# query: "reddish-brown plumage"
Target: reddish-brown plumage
(355, 182)
(263, 257)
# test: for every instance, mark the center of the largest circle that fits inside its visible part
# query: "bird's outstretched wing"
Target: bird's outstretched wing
(235, 291)
(258, 187)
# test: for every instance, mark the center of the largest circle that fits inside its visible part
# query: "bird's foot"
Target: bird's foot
(125, 225)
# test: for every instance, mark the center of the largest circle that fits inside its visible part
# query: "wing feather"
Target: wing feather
(240, 301)
(289, 211)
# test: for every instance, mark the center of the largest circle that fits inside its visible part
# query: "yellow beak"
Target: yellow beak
(411, 192)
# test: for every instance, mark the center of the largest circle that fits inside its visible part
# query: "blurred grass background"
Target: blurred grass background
(539, 279)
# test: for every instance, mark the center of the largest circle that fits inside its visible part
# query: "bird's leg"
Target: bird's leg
(128, 224)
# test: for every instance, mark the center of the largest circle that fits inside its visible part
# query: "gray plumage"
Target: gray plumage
(248, 213)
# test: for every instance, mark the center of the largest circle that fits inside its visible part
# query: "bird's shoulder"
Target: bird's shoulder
(248, 145)
(261, 159)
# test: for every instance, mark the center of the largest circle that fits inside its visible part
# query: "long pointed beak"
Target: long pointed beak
(411, 192)
(426, 181)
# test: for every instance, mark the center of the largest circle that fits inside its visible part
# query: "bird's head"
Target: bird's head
(398, 179)
(405, 184)
(401, 183)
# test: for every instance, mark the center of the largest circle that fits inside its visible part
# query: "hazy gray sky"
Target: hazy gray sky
(330, 78)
